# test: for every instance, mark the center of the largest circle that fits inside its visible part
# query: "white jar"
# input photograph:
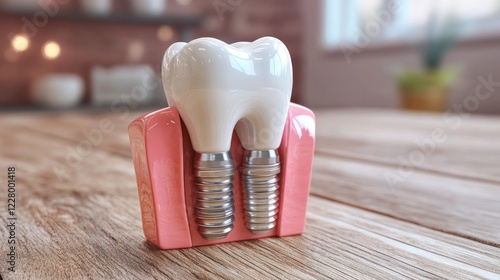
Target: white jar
(58, 90)
(124, 82)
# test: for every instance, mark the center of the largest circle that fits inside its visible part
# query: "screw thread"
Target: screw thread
(261, 190)
(214, 208)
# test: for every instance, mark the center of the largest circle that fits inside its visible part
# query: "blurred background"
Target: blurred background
(418, 55)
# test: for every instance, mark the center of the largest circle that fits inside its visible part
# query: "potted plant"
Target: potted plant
(428, 89)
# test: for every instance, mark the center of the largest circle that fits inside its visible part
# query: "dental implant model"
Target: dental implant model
(231, 158)
(218, 88)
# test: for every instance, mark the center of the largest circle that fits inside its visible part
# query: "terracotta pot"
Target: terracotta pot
(433, 100)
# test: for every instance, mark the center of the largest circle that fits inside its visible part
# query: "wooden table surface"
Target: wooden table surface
(380, 206)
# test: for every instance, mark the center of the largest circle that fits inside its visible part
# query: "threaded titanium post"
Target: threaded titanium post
(214, 208)
(261, 189)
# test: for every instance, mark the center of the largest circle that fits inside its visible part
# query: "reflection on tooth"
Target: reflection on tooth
(218, 88)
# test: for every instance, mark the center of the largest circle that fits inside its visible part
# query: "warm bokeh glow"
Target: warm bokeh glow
(51, 50)
(136, 51)
(165, 33)
(20, 43)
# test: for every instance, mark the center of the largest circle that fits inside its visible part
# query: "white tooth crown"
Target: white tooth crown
(219, 87)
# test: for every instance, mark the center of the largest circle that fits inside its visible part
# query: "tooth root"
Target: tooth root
(261, 190)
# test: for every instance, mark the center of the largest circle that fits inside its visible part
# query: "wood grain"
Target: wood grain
(85, 223)
(469, 151)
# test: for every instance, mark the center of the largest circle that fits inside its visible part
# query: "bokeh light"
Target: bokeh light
(51, 50)
(20, 43)
(136, 51)
(165, 33)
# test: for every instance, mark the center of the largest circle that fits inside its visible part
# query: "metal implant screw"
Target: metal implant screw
(214, 208)
(260, 182)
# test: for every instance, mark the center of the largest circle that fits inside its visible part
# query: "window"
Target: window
(349, 21)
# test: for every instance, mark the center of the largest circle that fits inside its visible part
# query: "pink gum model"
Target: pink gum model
(163, 155)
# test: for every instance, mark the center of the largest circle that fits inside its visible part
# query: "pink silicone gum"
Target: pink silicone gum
(163, 154)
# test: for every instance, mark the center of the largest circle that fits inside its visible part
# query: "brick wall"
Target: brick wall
(85, 43)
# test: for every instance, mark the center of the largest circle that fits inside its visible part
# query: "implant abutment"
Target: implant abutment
(260, 180)
(214, 207)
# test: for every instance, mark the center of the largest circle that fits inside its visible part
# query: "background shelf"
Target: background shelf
(179, 20)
